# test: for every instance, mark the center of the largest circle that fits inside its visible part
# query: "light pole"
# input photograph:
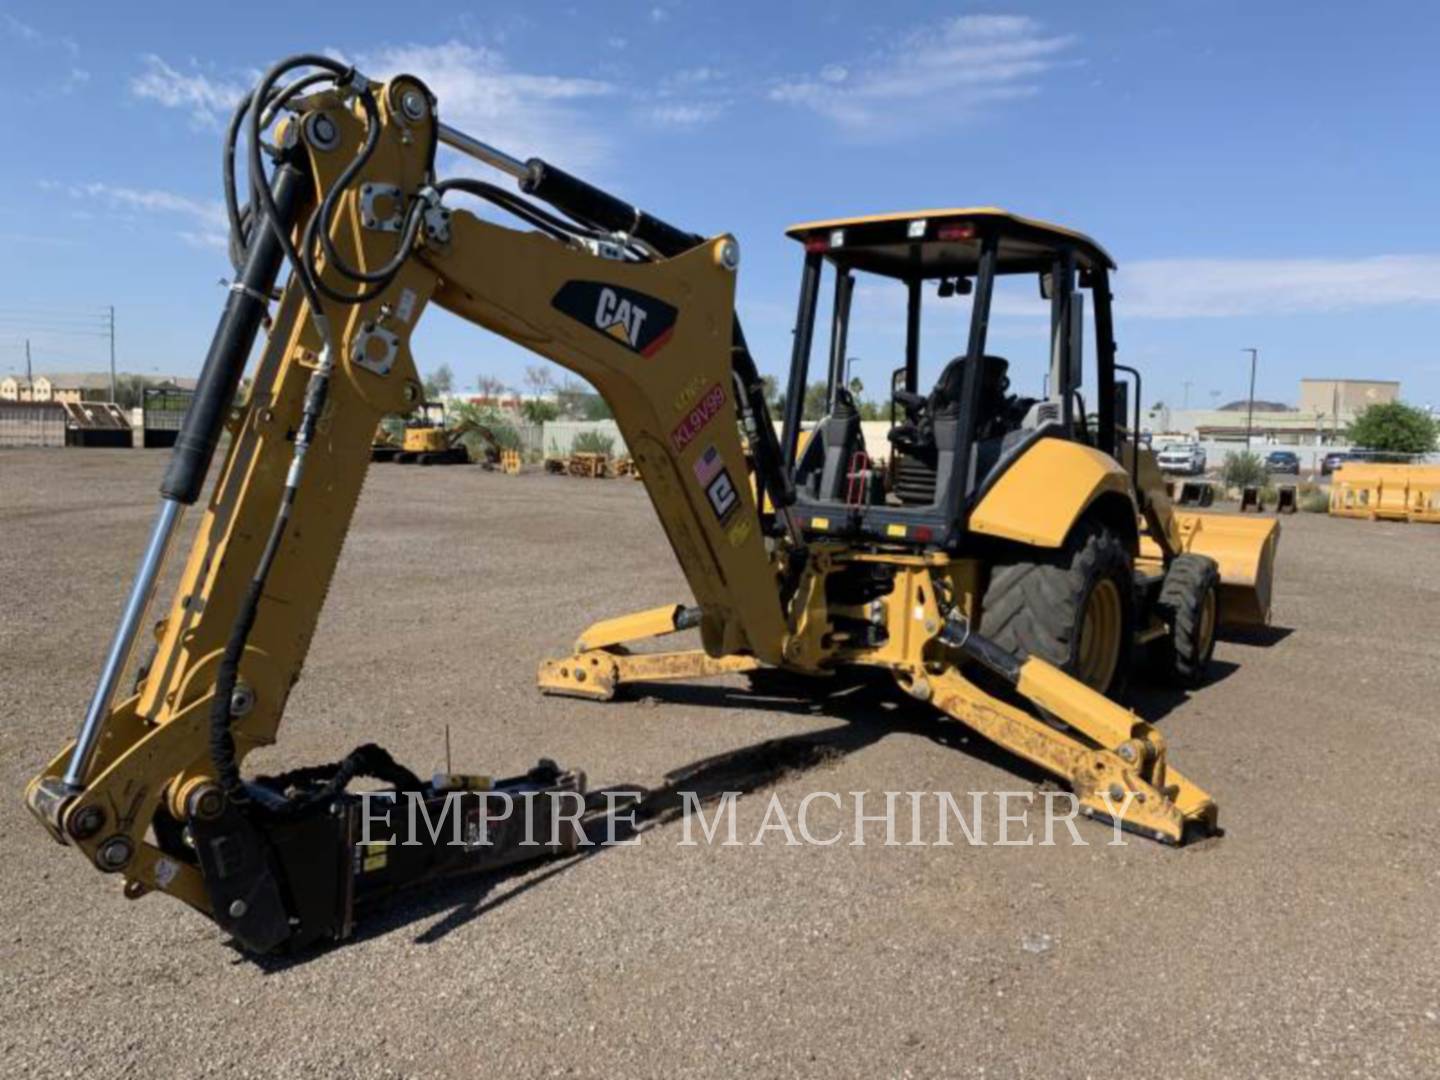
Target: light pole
(1250, 404)
(112, 352)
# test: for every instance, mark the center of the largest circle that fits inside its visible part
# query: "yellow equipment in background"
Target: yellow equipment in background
(427, 440)
(1382, 492)
(1023, 557)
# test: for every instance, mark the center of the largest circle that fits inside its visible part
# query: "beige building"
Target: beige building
(1345, 397)
(42, 388)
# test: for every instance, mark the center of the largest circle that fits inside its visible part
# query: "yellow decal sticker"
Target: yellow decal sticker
(689, 393)
(820, 523)
(895, 530)
(376, 856)
(739, 532)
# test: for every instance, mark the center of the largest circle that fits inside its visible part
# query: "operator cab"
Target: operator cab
(947, 442)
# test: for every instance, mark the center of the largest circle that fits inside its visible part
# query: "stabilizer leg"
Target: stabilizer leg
(601, 662)
(1114, 762)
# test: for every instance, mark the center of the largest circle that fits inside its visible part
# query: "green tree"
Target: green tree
(815, 401)
(439, 382)
(538, 410)
(504, 433)
(1396, 427)
(771, 388)
(593, 442)
(1243, 469)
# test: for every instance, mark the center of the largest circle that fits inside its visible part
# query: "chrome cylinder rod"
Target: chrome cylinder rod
(123, 642)
(482, 152)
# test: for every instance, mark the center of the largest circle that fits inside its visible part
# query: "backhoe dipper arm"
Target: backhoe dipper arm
(151, 788)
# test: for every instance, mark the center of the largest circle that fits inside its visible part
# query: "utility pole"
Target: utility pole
(1250, 405)
(29, 372)
(112, 352)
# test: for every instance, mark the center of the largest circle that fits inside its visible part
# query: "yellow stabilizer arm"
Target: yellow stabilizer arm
(602, 663)
(1122, 775)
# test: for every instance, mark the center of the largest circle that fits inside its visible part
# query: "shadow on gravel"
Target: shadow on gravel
(1261, 637)
(1154, 699)
(866, 702)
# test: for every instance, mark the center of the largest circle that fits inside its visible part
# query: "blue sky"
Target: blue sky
(1263, 177)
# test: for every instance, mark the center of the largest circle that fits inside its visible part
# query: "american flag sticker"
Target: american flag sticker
(708, 466)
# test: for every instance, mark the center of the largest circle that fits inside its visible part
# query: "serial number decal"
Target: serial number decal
(694, 423)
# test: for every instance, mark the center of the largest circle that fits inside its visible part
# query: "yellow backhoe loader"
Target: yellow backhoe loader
(1023, 554)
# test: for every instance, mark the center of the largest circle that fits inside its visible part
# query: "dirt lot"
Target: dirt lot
(1304, 942)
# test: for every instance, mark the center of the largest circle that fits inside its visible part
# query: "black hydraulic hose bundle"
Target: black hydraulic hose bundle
(261, 237)
(276, 222)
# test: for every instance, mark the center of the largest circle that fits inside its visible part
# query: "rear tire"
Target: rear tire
(1074, 607)
(1190, 605)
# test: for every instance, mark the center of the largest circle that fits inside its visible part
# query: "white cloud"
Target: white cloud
(38, 39)
(207, 100)
(206, 222)
(522, 113)
(939, 72)
(1215, 288)
(678, 115)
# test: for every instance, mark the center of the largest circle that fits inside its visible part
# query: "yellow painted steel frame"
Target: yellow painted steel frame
(1038, 499)
(1243, 548)
(1384, 492)
(154, 746)
(675, 406)
(1114, 762)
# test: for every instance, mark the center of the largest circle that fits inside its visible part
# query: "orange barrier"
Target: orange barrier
(1386, 492)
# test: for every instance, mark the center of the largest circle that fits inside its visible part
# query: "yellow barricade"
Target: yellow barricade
(1386, 492)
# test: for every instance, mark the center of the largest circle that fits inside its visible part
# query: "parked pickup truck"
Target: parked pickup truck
(1185, 458)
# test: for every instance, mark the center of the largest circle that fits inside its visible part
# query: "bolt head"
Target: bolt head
(114, 853)
(1127, 752)
(412, 104)
(730, 255)
(242, 700)
(238, 909)
(86, 822)
(1117, 793)
(207, 803)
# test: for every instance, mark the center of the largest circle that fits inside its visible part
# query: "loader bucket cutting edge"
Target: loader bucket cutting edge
(1244, 548)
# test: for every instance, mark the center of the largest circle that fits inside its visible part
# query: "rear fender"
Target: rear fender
(1040, 496)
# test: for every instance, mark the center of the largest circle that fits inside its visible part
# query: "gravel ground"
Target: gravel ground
(1303, 942)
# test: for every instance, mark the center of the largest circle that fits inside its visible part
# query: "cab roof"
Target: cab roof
(942, 243)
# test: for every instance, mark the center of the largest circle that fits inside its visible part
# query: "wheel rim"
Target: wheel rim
(1206, 637)
(1100, 636)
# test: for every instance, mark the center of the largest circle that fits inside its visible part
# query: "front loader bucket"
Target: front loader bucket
(1245, 549)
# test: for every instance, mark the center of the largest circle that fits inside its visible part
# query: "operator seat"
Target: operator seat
(925, 444)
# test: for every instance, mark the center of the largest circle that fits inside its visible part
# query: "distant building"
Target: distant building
(1326, 408)
(1345, 397)
(40, 389)
(77, 387)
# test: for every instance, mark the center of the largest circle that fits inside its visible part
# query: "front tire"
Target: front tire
(1190, 605)
(1074, 607)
